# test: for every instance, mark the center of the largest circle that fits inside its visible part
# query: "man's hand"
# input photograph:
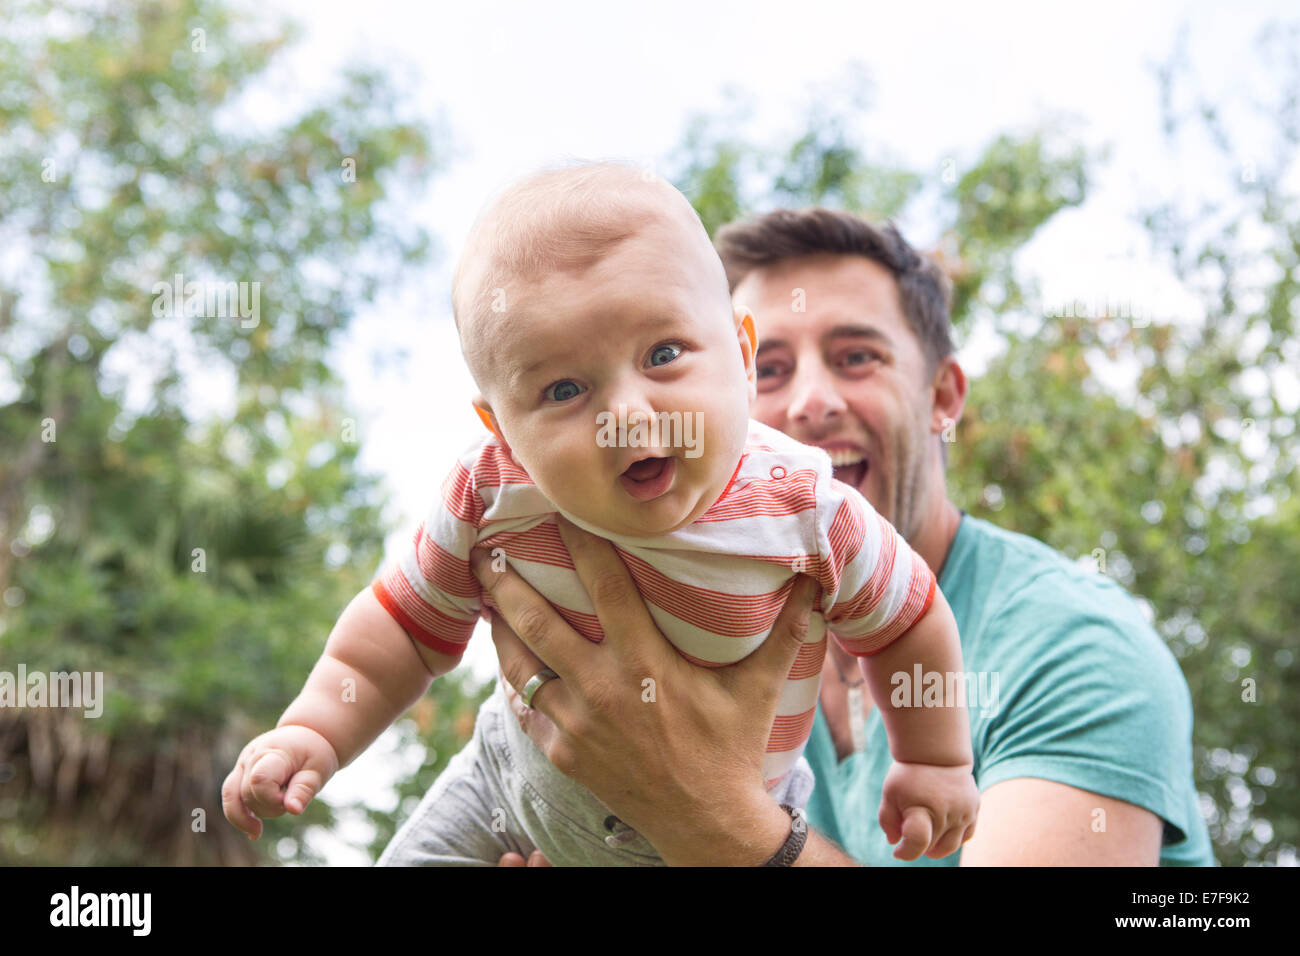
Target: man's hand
(675, 750)
(536, 858)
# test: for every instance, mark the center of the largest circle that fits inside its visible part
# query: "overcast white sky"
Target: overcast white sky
(521, 83)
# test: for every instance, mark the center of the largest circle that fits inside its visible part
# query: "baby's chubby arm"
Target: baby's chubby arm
(931, 746)
(933, 735)
(369, 674)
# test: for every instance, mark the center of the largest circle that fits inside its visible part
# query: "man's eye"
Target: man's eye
(563, 391)
(860, 357)
(664, 354)
(770, 369)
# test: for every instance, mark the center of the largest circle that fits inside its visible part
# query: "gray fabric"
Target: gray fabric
(500, 794)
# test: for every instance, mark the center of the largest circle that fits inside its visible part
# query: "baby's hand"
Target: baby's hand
(280, 770)
(932, 808)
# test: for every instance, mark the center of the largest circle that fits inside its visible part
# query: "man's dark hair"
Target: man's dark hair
(924, 290)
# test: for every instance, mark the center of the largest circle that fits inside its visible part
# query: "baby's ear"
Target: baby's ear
(747, 336)
(488, 419)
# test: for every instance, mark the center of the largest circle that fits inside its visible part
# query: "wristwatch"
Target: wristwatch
(793, 844)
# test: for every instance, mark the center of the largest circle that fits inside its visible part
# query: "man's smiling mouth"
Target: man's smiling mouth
(849, 465)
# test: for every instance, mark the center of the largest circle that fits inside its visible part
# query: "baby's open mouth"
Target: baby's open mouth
(648, 478)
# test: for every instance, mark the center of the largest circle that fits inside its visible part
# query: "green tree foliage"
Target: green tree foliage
(1183, 486)
(196, 556)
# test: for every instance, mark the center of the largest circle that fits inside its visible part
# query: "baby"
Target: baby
(615, 377)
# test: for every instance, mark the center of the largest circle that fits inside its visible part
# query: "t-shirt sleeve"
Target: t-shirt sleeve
(1090, 700)
(875, 587)
(430, 590)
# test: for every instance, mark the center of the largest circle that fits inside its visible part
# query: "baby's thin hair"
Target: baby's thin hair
(565, 217)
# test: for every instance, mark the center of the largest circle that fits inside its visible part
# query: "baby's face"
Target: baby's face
(640, 357)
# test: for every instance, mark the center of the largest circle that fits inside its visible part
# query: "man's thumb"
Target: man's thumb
(790, 629)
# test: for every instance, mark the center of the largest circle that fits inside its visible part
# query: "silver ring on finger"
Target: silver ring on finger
(534, 682)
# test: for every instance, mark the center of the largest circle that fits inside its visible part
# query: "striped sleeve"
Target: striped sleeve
(430, 590)
(875, 586)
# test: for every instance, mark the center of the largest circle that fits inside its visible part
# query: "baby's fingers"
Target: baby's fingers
(263, 787)
(234, 807)
(891, 821)
(918, 831)
(949, 842)
(305, 784)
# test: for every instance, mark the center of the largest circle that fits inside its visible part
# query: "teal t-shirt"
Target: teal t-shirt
(1077, 688)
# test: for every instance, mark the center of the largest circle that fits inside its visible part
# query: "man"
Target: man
(1082, 729)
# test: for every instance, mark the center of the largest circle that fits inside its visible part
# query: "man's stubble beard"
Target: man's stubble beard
(907, 507)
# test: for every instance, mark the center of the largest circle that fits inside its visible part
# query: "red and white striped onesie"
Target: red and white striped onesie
(714, 587)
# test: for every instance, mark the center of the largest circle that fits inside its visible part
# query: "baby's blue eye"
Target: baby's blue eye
(672, 351)
(563, 391)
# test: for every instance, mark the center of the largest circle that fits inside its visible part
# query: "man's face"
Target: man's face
(647, 329)
(847, 374)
